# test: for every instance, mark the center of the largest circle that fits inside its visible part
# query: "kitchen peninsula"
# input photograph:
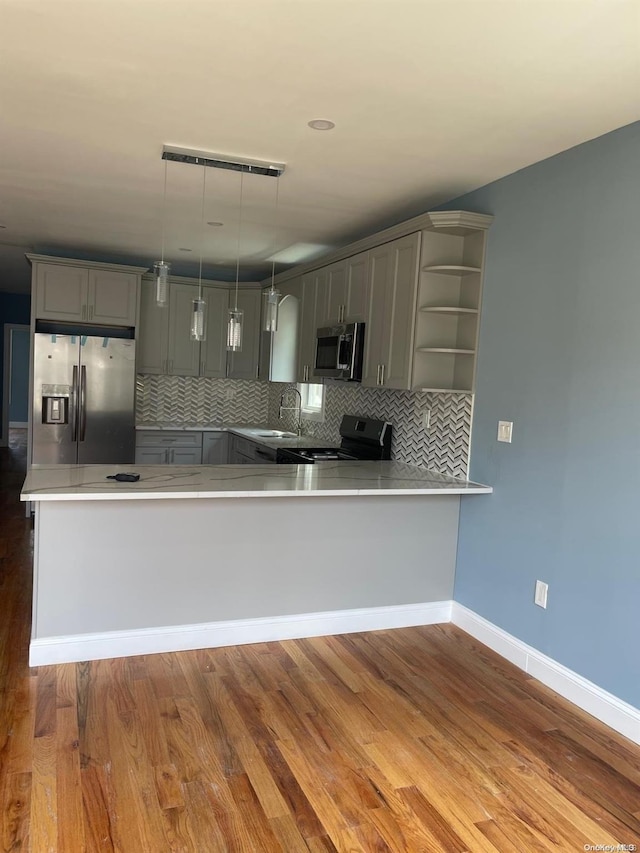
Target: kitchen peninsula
(197, 556)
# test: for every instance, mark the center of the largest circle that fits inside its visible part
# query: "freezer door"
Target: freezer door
(55, 376)
(106, 397)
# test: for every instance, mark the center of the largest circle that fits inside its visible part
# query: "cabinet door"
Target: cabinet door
(213, 351)
(403, 289)
(393, 278)
(377, 329)
(333, 307)
(153, 332)
(185, 456)
(215, 448)
(61, 292)
(184, 354)
(152, 455)
(244, 364)
(357, 287)
(314, 302)
(113, 298)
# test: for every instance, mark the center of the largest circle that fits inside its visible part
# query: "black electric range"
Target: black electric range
(362, 438)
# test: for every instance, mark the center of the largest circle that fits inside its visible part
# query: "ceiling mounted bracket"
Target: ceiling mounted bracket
(222, 161)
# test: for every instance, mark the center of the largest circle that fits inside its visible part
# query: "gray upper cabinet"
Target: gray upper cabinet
(244, 364)
(183, 353)
(213, 351)
(153, 332)
(393, 280)
(61, 292)
(164, 340)
(336, 295)
(84, 293)
(356, 288)
(313, 313)
(112, 297)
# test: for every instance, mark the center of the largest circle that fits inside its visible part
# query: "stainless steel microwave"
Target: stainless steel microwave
(339, 352)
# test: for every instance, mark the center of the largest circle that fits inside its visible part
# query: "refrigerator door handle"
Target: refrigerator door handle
(74, 404)
(83, 402)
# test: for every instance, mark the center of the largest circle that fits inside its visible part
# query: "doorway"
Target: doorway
(15, 380)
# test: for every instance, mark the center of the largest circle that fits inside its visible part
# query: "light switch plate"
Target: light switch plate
(540, 597)
(505, 430)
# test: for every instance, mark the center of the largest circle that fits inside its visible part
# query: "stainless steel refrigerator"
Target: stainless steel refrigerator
(84, 399)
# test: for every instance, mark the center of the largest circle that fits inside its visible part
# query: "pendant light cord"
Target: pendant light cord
(204, 189)
(276, 229)
(239, 233)
(164, 210)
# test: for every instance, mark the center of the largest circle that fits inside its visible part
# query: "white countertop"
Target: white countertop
(254, 433)
(88, 482)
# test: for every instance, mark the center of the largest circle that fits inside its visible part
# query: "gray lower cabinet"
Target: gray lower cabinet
(162, 447)
(215, 448)
(242, 451)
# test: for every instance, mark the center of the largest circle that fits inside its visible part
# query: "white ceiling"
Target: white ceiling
(431, 98)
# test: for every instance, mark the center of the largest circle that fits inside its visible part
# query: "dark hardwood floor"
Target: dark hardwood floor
(409, 740)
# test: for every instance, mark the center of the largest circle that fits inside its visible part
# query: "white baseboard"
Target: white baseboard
(18, 424)
(604, 706)
(112, 644)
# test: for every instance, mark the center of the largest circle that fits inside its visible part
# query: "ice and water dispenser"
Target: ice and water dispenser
(55, 404)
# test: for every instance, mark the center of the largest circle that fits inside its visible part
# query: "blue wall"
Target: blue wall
(559, 355)
(19, 406)
(14, 308)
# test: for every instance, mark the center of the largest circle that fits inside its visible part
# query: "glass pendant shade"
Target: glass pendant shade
(234, 331)
(270, 314)
(161, 270)
(198, 324)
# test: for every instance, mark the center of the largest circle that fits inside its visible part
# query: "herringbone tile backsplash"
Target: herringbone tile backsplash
(192, 400)
(444, 446)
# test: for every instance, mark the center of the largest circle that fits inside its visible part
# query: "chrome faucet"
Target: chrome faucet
(297, 408)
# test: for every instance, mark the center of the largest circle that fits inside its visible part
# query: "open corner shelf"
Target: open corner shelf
(452, 269)
(447, 349)
(447, 309)
(444, 390)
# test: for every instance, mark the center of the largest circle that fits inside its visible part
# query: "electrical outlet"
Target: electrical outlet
(229, 394)
(505, 430)
(540, 597)
(427, 419)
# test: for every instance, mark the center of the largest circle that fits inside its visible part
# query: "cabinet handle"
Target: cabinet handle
(170, 365)
(378, 376)
(91, 312)
(382, 367)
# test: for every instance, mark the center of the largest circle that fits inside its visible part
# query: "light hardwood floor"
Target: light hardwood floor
(408, 740)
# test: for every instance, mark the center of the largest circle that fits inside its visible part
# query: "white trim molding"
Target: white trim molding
(604, 706)
(175, 638)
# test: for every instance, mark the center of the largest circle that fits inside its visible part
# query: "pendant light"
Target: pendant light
(234, 325)
(198, 306)
(161, 268)
(272, 296)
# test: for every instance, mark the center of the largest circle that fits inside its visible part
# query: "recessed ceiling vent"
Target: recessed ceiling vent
(222, 161)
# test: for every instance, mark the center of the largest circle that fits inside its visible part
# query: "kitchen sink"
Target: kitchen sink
(276, 433)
